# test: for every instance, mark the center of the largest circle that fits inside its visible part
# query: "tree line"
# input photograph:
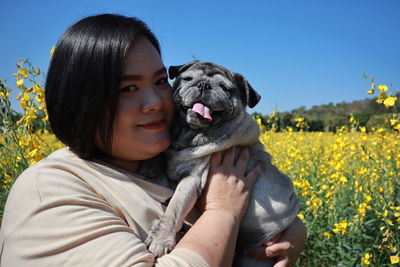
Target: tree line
(331, 117)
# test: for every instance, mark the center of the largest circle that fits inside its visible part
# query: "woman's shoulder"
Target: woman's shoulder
(53, 175)
(61, 162)
(64, 173)
(42, 185)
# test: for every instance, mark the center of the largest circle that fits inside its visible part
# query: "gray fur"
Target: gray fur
(273, 204)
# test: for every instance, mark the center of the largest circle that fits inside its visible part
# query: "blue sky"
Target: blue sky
(294, 53)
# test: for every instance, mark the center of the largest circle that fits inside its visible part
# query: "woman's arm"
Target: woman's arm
(224, 202)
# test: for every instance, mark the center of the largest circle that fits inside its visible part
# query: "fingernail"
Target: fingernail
(268, 253)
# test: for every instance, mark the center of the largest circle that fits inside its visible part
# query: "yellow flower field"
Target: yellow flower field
(348, 185)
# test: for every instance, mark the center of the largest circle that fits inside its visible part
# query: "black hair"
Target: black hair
(83, 77)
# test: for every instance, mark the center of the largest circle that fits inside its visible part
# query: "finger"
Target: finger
(229, 156)
(243, 159)
(260, 252)
(216, 159)
(273, 240)
(278, 249)
(253, 174)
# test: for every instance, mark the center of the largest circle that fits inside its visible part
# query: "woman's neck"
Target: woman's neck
(130, 165)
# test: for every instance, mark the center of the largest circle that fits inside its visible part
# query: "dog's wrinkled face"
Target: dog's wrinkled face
(206, 93)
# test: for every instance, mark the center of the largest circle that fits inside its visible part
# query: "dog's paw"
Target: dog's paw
(161, 239)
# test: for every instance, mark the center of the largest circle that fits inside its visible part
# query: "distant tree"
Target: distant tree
(316, 125)
(378, 121)
(287, 120)
(363, 118)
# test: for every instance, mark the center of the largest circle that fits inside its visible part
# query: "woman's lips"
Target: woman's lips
(155, 124)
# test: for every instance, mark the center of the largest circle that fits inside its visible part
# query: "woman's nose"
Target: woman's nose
(153, 101)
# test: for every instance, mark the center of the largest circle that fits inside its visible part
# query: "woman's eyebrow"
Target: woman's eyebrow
(129, 77)
(163, 70)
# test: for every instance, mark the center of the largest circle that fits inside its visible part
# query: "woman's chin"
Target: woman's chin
(159, 148)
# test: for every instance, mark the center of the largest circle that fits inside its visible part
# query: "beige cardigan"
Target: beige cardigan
(65, 211)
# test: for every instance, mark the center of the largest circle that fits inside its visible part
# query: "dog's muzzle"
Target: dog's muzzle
(199, 116)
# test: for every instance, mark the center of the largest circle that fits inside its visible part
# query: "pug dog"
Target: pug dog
(211, 105)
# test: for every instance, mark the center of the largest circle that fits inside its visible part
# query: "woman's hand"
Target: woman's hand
(286, 247)
(224, 200)
(228, 187)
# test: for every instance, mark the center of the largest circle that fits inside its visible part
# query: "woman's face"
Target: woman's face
(145, 108)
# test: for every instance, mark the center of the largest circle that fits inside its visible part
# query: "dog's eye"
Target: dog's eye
(223, 87)
(187, 78)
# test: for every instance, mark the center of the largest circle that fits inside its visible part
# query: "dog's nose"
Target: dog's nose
(203, 85)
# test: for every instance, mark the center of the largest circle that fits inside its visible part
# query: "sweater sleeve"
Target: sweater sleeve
(56, 219)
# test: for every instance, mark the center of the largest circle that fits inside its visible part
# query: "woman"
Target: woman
(109, 101)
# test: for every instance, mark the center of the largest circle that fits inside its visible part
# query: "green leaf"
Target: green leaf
(367, 237)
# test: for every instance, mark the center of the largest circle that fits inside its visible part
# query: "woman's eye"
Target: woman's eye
(162, 81)
(128, 89)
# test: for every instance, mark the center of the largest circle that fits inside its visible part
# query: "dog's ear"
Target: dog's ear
(174, 71)
(250, 96)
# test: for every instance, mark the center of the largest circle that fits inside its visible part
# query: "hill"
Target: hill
(329, 117)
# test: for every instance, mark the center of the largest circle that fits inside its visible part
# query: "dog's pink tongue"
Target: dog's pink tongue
(204, 111)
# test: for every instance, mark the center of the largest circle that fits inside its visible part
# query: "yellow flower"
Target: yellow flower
(382, 96)
(25, 97)
(328, 235)
(382, 88)
(33, 153)
(23, 72)
(362, 209)
(393, 122)
(342, 180)
(301, 216)
(19, 82)
(341, 228)
(389, 102)
(52, 51)
(365, 259)
(394, 259)
(46, 118)
(385, 213)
